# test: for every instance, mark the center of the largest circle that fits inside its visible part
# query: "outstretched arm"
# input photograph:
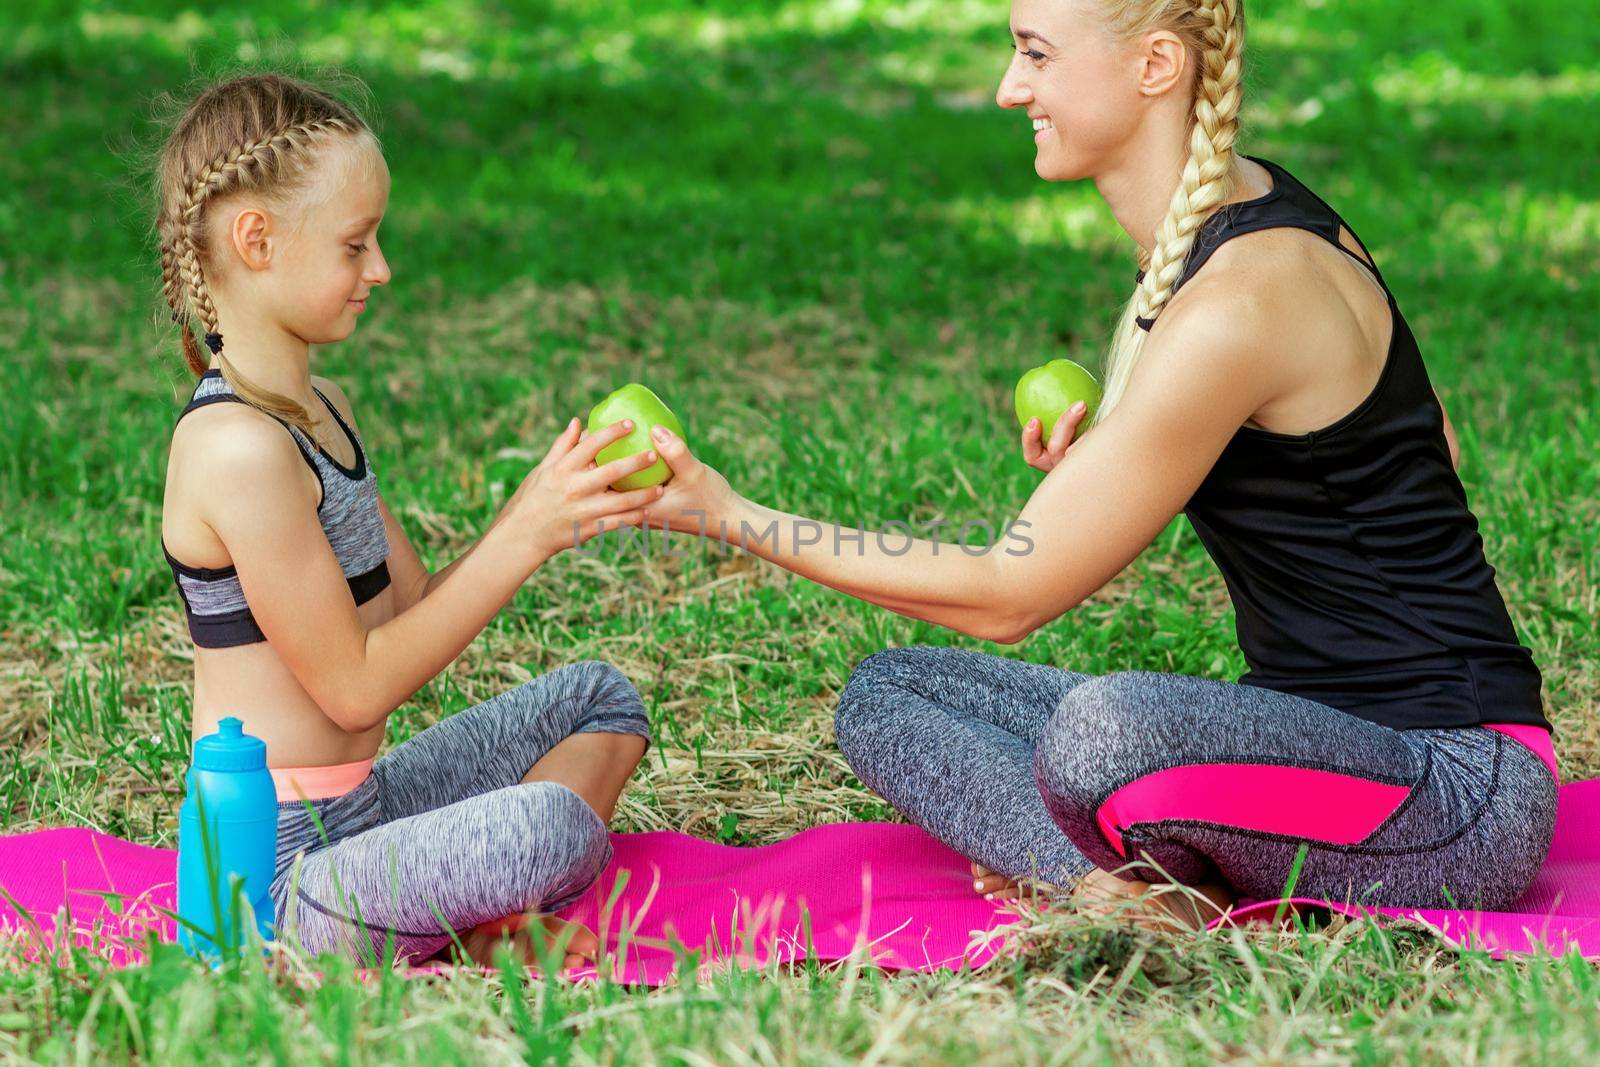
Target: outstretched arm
(264, 512)
(1199, 379)
(408, 575)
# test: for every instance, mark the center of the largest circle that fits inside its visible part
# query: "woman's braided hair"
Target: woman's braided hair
(258, 133)
(1214, 32)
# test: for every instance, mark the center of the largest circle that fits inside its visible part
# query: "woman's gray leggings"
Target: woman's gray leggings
(1034, 771)
(444, 835)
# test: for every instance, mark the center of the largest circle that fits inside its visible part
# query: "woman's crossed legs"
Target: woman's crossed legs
(1035, 772)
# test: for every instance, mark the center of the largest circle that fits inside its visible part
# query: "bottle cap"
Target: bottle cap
(230, 749)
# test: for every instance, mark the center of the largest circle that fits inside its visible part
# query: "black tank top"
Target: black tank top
(1355, 567)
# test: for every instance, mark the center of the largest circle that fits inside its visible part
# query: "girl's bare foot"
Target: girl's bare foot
(596, 766)
(1163, 907)
(532, 937)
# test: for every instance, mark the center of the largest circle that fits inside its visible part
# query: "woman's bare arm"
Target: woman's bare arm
(1449, 434)
(1200, 378)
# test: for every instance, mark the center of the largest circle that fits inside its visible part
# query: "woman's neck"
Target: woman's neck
(1138, 184)
(1139, 180)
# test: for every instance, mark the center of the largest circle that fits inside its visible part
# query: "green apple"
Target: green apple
(634, 401)
(1047, 391)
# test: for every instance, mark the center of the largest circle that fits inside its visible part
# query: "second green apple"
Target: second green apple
(1047, 391)
(636, 402)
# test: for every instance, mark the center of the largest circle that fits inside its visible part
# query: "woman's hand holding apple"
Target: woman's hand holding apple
(697, 499)
(1054, 398)
(1044, 455)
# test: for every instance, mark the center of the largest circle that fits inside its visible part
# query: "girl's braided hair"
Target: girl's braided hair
(257, 133)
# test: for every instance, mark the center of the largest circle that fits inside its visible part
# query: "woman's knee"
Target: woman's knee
(1095, 741)
(868, 700)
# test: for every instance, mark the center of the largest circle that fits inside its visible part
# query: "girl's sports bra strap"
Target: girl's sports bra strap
(229, 398)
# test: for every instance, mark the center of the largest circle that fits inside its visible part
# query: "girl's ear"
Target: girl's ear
(251, 234)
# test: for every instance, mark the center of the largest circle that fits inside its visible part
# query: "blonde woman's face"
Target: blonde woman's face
(330, 261)
(1076, 83)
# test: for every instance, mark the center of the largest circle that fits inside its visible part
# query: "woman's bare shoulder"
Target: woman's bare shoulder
(1299, 311)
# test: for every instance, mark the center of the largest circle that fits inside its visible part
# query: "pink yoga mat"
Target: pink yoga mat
(1560, 912)
(890, 891)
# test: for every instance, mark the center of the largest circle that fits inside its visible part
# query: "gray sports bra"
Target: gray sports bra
(214, 600)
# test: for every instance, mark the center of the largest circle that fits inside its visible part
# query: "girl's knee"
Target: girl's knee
(560, 827)
(602, 681)
(609, 698)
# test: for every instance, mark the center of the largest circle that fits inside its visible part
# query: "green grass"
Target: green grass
(806, 225)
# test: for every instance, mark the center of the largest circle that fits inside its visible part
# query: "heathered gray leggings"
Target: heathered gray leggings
(1039, 772)
(444, 835)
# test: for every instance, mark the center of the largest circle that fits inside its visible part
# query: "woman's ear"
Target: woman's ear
(1164, 63)
(252, 238)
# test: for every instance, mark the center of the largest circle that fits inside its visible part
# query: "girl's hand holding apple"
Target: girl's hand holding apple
(565, 499)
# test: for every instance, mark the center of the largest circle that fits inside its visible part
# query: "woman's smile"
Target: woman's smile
(1042, 128)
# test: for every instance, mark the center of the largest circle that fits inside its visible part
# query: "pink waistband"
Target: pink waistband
(319, 783)
(1535, 738)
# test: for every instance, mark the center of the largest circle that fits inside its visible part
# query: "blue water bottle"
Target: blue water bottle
(227, 837)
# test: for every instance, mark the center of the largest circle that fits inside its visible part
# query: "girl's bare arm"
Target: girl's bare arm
(264, 512)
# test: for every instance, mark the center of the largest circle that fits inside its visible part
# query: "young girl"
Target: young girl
(1263, 382)
(311, 614)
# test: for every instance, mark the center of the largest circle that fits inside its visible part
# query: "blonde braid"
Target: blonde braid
(1205, 185)
(241, 165)
(183, 275)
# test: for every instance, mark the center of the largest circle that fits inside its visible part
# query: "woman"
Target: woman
(1262, 381)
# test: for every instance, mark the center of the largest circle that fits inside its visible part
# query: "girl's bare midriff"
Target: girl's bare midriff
(253, 683)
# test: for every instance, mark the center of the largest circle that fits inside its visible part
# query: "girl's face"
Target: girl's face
(1077, 84)
(328, 260)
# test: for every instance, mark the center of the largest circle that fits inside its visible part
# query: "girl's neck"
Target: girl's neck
(271, 360)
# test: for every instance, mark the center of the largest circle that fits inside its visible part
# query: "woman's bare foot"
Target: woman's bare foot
(532, 937)
(1164, 906)
(994, 886)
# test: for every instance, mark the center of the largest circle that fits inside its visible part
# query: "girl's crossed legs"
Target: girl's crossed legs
(1042, 773)
(496, 811)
